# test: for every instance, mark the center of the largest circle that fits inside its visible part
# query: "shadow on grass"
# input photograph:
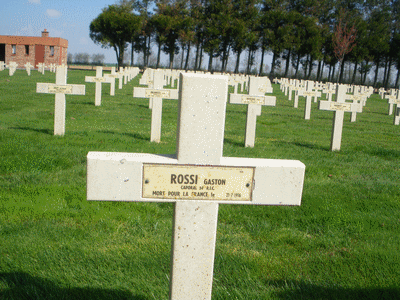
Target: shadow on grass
(82, 102)
(301, 290)
(307, 145)
(45, 131)
(233, 143)
(25, 286)
(132, 135)
(385, 153)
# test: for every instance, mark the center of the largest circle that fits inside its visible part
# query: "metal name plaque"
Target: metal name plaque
(60, 89)
(253, 100)
(340, 106)
(98, 79)
(157, 94)
(189, 182)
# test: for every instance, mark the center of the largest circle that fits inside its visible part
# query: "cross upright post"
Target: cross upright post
(254, 100)
(197, 179)
(156, 95)
(60, 88)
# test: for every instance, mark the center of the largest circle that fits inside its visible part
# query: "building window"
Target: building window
(51, 50)
(14, 49)
(27, 49)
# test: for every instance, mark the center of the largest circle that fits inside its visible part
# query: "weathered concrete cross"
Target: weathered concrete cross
(156, 95)
(98, 80)
(339, 107)
(308, 93)
(198, 179)
(391, 100)
(41, 67)
(28, 66)
(12, 67)
(113, 76)
(254, 100)
(60, 88)
(3, 65)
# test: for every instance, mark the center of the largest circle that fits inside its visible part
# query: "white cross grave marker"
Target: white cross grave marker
(2, 65)
(391, 100)
(339, 107)
(12, 67)
(113, 76)
(98, 80)
(308, 93)
(254, 100)
(156, 95)
(197, 179)
(41, 67)
(60, 88)
(28, 66)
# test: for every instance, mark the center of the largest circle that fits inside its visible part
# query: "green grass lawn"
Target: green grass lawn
(343, 242)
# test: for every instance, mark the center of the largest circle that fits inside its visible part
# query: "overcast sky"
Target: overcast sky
(68, 19)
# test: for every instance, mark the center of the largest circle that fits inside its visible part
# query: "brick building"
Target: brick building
(23, 49)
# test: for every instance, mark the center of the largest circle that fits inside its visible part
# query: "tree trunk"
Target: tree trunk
(210, 61)
(262, 61)
(396, 86)
(171, 58)
(197, 55)
(319, 70)
(341, 71)
(353, 80)
(132, 54)
(237, 61)
(187, 57)
(248, 62)
(271, 73)
(387, 83)
(310, 67)
(287, 62)
(182, 56)
(201, 57)
(227, 58)
(158, 55)
(333, 72)
(297, 65)
(376, 72)
(385, 73)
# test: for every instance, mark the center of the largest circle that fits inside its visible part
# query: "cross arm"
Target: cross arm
(51, 88)
(349, 107)
(154, 93)
(123, 177)
(247, 99)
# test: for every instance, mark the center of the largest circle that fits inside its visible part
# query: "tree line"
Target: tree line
(307, 35)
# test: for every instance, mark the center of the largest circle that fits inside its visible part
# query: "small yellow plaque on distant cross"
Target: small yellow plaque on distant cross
(98, 79)
(340, 106)
(62, 89)
(189, 182)
(253, 100)
(157, 94)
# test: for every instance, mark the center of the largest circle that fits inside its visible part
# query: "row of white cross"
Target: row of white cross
(309, 89)
(61, 88)
(255, 99)
(12, 67)
(198, 178)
